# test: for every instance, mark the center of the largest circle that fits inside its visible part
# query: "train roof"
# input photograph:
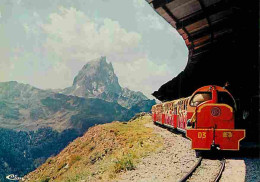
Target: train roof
(208, 87)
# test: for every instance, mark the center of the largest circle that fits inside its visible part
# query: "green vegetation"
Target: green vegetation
(21, 152)
(8, 111)
(45, 179)
(124, 164)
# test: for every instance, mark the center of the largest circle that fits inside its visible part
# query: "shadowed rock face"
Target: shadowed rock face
(95, 78)
(98, 80)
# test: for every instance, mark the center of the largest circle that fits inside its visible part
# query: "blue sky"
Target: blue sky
(46, 42)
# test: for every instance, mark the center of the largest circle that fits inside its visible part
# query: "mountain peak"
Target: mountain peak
(96, 62)
(97, 80)
(96, 77)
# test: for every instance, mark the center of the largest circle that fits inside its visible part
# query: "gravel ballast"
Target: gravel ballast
(170, 164)
(207, 171)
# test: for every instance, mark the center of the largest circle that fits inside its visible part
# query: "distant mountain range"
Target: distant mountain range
(94, 98)
(23, 107)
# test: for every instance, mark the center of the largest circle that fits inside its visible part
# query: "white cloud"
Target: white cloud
(152, 21)
(147, 19)
(58, 76)
(74, 36)
(143, 75)
(35, 14)
(139, 3)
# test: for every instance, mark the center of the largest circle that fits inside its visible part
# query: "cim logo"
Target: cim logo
(215, 111)
(13, 177)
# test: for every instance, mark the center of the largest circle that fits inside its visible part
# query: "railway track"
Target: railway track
(190, 173)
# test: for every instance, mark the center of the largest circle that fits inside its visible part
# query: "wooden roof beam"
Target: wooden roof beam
(199, 15)
(224, 24)
(176, 20)
(219, 41)
(159, 3)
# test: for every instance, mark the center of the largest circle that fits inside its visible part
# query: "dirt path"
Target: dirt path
(169, 164)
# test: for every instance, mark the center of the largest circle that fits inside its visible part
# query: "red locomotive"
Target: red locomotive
(207, 118)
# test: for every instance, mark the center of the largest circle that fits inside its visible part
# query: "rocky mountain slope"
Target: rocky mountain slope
(98, 80)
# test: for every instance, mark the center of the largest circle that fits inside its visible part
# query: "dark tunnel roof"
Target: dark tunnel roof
(201, 23)
(221, 35)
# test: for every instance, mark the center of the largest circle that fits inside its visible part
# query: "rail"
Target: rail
(189, 174)
(223, 163)
(184, 178)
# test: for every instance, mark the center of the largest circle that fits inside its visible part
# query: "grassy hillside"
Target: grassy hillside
(101, 153)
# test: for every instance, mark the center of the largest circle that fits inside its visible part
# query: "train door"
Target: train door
(185, 114)
(175, 115)
(158, 114)
(182, 124)
(168, 114)
(153, 114)
(162, 115)
(171, 114)
(179, 116)
(165, 115)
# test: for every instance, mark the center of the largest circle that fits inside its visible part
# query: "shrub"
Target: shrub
(45, 179)
(74, 158)
(61, 165)
(125, 164)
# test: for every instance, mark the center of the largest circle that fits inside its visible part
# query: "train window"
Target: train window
(225, 98)
(200, 97)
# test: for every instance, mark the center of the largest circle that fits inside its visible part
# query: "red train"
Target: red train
(207, 118)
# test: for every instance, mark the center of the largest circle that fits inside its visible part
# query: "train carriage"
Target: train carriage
(206, 117)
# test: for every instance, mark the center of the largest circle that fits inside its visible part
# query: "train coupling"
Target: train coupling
(215, 147)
